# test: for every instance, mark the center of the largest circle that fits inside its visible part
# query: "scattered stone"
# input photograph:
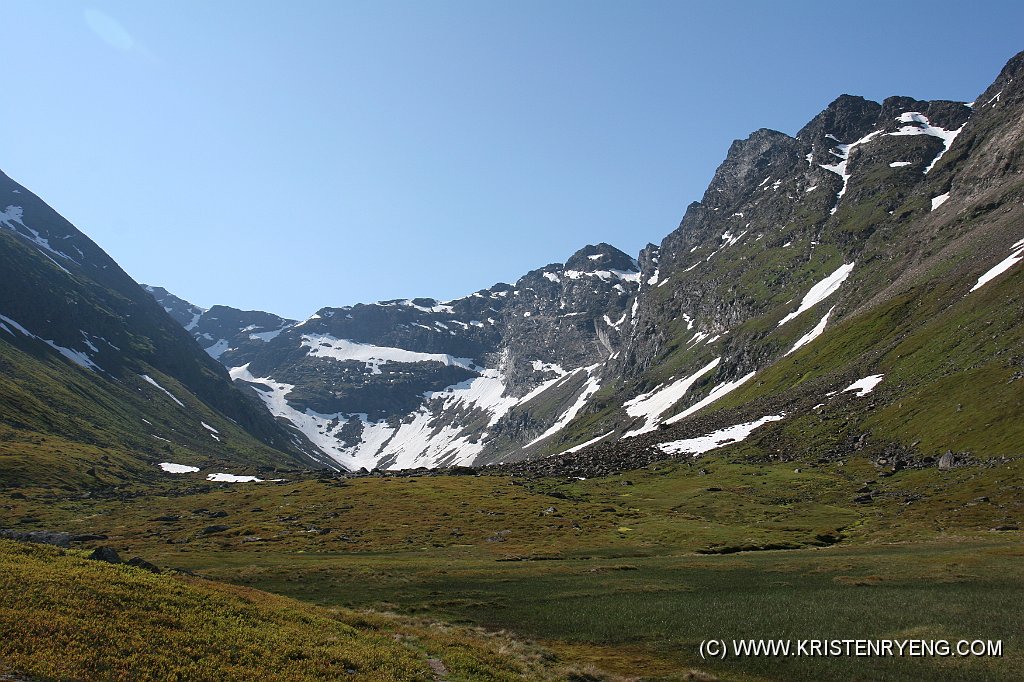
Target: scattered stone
(863, 499)
(87, 537)
(139, 562)
(209, 530)
(108, 554)
(1007, 526)
(167, 519)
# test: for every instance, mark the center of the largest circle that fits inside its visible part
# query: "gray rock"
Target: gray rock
(947, 462)
(108, 554)
(139, 562)
(44, 537)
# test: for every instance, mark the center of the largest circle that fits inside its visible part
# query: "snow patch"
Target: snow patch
(1003, 266)
(267, 336)
(939, 200)
(326, 346)
(820, 291)
(653, 404)
(172, 468)
(232, 478)
(13, 215)
(217, 349)
(813, 334)
(150, 380)
(577, 448)
(716, 439)
(843, 152)
(76, 356)
(716, 393)
(920, 125)
(865, 385)
(592, 385)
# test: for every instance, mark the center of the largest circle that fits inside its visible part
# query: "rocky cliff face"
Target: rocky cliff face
(849, 261)
(418, 382)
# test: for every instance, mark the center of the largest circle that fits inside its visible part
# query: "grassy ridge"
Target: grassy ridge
(65, 617)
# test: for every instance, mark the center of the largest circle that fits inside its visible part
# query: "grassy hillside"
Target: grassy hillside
(59, 424)
(66, 617)
(624, 574)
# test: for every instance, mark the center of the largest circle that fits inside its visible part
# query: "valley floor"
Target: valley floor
(613, 578)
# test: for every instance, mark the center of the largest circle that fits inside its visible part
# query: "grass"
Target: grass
(609, 579)
(66, 617)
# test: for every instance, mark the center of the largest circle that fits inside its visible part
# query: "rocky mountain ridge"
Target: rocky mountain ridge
(773, 296)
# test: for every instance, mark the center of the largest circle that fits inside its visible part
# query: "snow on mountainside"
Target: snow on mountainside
(409, 383)
(868, 245)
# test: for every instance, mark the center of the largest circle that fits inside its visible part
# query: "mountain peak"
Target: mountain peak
(594, 257)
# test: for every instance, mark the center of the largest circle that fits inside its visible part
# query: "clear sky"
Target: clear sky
(291, 155)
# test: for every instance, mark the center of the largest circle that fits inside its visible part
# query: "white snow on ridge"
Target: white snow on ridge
(865, 385)
(326, 346)
(195, 319)
(615, 325)
(716, 393)
(76, 356)
(717, 439)
(217, 349)
(592, 386)
(813, 334)
(939, 200)
(438, 308)
(150, 380)
(208, 427)
(604, 275)
(922, 126)
(899, 164)
(14, 214)
(172, 468)
(267, 336)
(653, 404)
(539, 366)
(820, 291)
(1000, 268)
(840, 167)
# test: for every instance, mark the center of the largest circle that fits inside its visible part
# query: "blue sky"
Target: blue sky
(289, 156)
